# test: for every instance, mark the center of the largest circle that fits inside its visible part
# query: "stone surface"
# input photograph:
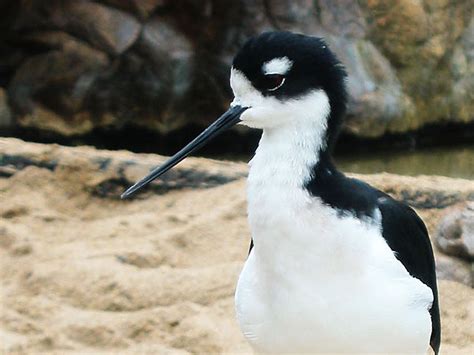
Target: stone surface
(455, 232)
(153, 82)
(418, 38)
(50, 91)
(455, 269)
(142, 8)
(5, 112)
(427, 192)
(462, 67)
(147, 63)
(111, 30)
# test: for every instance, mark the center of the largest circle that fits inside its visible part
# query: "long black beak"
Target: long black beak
(230, 118)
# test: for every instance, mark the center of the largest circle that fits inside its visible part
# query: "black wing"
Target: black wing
(407, 236)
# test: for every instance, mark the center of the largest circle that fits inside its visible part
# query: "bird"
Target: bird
(335, 265)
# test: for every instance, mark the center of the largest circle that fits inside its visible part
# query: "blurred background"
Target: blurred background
(148, 75)
(83, 271)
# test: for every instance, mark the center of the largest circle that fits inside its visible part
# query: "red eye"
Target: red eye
(274, 81)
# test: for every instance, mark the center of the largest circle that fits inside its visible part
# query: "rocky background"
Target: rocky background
(75, 67)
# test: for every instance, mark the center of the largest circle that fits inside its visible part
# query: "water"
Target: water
(457, 162)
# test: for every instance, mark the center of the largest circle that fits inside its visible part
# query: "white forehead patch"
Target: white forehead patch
(244, 92)
(280, 66)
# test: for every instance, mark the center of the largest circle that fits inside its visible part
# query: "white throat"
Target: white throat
(294, 132)
(287, 151)
(281, 166)
(285, 155)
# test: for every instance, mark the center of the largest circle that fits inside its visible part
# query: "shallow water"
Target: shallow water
(457, 161)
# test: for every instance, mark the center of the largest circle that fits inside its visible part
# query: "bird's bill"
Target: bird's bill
(230, 118)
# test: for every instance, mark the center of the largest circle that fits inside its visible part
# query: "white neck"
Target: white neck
(282, 164)
(286, 155)
(294, 134)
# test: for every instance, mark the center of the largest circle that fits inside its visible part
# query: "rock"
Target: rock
(455, 232)
(163, 58)
(172, 54)
(59, 79)
(391, 19)
(5, 112)
(108, 29)
(160, 72)
(47, 120)
(377, 98)
(462, 68)
(417, 37)
(142, 8)
(454, 269)
(427, 192)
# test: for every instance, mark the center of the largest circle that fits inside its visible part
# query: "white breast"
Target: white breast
(318, 283)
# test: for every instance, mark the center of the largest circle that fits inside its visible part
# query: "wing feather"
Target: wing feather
(407, 236)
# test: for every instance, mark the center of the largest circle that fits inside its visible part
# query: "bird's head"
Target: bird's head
(286, 79)
(279, 79)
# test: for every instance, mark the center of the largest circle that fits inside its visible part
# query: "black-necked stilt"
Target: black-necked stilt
(335, 265)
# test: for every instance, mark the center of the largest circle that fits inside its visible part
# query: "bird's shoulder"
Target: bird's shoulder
(346, 195)
(401, 227)
(406, 234)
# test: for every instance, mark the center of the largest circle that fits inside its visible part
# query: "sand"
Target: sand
(84, 272)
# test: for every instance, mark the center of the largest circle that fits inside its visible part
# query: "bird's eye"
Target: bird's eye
(274, 81)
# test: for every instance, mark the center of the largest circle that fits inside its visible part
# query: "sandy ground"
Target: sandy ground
(84, 274)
